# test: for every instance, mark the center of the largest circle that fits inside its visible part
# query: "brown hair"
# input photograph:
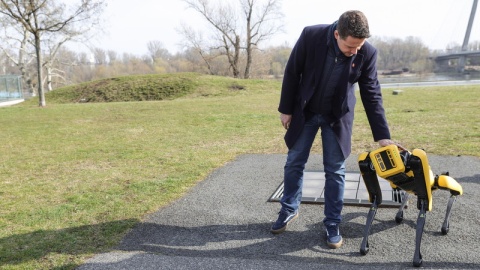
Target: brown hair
(353, 23)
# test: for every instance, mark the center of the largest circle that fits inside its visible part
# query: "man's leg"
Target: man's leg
(293, 175)
(334, 166)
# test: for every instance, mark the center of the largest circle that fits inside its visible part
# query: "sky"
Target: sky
(129, 25)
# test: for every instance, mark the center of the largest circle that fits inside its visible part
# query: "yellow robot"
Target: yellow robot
(410, 172)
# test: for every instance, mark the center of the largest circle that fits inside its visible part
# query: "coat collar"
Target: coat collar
(328, 38)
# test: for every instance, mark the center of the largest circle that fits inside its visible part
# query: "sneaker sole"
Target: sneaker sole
(281, 230)
(335, 245)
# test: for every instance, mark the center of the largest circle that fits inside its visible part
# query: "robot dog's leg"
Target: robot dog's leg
(423, 184)
(375, 196)
(399, 216)
(446, 225)
(417, 257)
(446, 182)
(364, 247)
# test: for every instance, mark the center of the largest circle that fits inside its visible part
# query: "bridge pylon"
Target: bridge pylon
(444, 61)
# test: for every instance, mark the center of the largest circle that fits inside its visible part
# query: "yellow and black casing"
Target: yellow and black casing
(387, 161)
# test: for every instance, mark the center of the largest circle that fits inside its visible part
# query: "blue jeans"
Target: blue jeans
(334, 167)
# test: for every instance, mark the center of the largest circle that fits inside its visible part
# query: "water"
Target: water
(431, 77)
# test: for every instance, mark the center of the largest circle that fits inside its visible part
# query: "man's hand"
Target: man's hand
(387, 142)
(286, 119)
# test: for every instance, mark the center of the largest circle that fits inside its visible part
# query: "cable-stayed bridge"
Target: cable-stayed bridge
(459, 60)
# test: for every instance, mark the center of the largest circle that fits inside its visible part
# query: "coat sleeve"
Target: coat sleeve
(371, 95)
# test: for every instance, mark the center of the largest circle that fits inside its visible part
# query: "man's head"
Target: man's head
(353, 23)
(352, 31)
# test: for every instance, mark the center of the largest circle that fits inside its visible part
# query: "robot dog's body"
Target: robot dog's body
(408, 171)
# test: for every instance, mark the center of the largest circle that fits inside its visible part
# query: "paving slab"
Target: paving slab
(355, 193)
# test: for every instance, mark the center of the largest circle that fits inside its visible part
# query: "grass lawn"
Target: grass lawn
(77, 176)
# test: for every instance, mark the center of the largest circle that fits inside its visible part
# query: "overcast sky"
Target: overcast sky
(130, 25)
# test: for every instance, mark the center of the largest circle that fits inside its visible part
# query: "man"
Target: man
(318, 93)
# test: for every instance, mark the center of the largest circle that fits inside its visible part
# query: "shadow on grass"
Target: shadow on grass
(86, 239)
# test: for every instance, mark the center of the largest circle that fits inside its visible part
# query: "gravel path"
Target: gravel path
(224, 222)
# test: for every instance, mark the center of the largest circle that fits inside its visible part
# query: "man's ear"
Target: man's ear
(335, 33)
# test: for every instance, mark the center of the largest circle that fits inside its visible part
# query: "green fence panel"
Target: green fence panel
(10, 87)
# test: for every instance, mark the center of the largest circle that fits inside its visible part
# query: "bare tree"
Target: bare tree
(223, 19)
(260, 20)
(401, 54)
(157, 51)
(99, 56)
(53, 46)
(261, 25)
(195, 41)
(112, 57)
(48, 17)
(18, 37)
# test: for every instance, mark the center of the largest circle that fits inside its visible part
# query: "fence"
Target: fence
(10, 87)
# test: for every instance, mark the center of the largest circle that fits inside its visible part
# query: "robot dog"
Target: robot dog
(410, 172)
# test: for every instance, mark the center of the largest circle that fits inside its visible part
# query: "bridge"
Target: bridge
(460, 61)
(463, 58)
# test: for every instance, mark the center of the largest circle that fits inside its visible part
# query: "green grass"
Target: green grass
(77, 176)
(441, 120)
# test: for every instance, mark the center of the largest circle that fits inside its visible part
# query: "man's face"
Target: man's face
(350, 45)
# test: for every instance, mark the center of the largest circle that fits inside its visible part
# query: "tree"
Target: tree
(53, 46)
(99, 56)
(398, 54)
(112, 57)
(156, 51)
(278, 59)
(48, 18)
(260, 20)
(18, 37)
(158, 57)
(194, 40)
(261, 25)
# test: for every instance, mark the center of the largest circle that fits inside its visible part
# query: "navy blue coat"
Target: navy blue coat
(303, 72)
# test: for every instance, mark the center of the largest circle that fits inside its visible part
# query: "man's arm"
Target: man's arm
(293, 75)
(371, 95)
(372, 100)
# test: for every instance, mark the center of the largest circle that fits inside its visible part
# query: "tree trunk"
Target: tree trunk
(49, 78)
(38, 51)
(233, 57)
(249, 62)
(236, 71)
(249, 42)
